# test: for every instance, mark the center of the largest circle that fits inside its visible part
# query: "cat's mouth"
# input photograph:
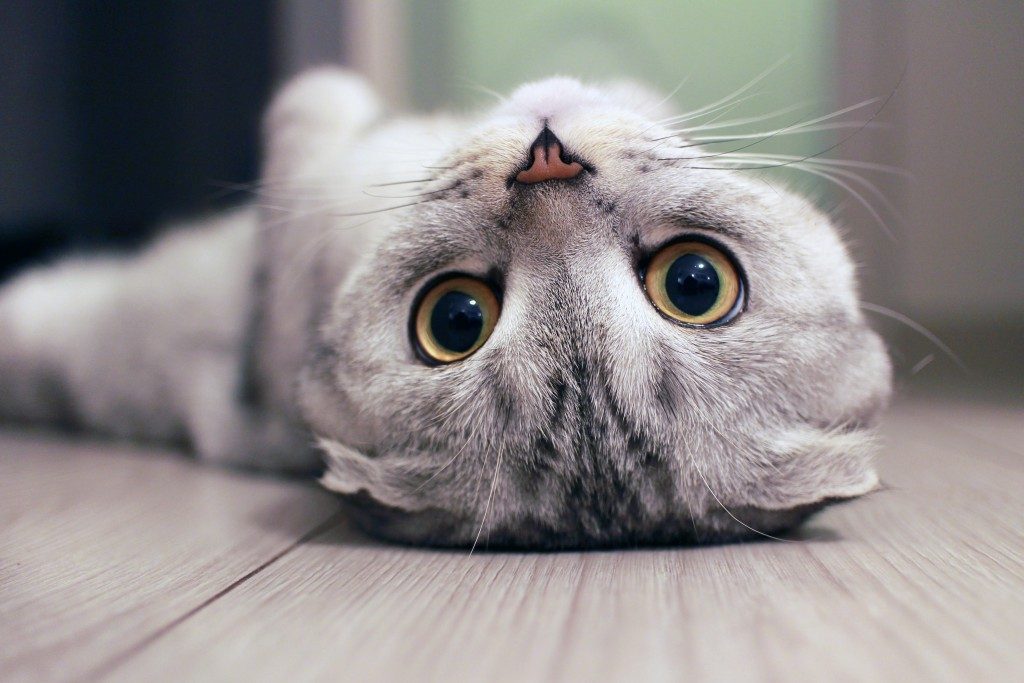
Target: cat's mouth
(548, 160)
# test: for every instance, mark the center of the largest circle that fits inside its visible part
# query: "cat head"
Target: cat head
(585, 331)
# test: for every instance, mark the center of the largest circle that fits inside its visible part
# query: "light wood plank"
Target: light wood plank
(923, 581)
(101, 546)
(1000, 425)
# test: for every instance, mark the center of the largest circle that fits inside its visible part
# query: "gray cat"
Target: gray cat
(555, 324)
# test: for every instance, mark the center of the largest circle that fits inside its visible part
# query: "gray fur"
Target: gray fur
(586, 419)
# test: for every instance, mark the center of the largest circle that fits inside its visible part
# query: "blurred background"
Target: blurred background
(117, 116)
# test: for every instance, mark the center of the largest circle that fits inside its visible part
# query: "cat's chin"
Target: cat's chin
(385, 497)
(382, 498)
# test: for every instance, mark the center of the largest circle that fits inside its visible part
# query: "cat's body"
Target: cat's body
(586, 418)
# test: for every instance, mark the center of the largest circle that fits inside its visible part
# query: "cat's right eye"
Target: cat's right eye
(694, 283)
(452, 318)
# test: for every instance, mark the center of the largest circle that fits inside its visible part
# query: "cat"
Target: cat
(557, 323)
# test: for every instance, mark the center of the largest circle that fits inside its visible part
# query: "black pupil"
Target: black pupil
(457, 321)
(692, 284)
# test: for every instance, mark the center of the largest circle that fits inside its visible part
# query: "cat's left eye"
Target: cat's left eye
(453, 318)
(694, 283)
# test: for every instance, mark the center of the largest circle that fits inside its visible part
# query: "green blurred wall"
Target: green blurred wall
(461, 46)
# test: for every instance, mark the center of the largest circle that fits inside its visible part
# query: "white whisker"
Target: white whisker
(490, 498)
(693, 461)
(917, 327)
(802, 130)
(731, 97)
(830, 175)
(733, 123)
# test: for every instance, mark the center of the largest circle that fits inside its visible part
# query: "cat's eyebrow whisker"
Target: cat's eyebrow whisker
(830, 174)
(264, 188)
(864, 182)
(404, 182)
(843, 141)
(672, 94)
(798, 125)
(310, 195)
(721, 110)
(853, 163)
(839, 125)
(733, 123)
(871, 188)
(790, 159)
(732, 96)
(786, 110)
(764, 161)
(383, 210)
(449, 412)
(318, 181)
(412, 196)
(679, 118)
(470, 85)
(916, 327)
(289, 216)
(305, 209)
(683, 132)
(330, 209)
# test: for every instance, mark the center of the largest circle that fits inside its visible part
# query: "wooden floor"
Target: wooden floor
(121, 563)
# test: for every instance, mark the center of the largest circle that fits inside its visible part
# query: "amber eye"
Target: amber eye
(453, 318)
(694, 283)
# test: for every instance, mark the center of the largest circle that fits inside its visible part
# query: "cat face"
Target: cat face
(597, 396)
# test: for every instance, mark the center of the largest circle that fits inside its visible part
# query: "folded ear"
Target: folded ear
(808, 465)
(386, 480)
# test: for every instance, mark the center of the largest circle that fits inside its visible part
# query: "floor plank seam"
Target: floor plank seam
(115, 662)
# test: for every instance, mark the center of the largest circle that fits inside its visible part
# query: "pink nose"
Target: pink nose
(548, 163)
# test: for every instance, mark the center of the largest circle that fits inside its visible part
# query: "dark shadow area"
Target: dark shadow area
(349, 529)
(117, 116)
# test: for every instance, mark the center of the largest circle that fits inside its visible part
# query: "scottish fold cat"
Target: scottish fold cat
(558, 322)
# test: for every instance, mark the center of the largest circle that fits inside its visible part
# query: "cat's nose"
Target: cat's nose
(549, 161)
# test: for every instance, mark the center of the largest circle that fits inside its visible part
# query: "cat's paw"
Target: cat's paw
(330, 99)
